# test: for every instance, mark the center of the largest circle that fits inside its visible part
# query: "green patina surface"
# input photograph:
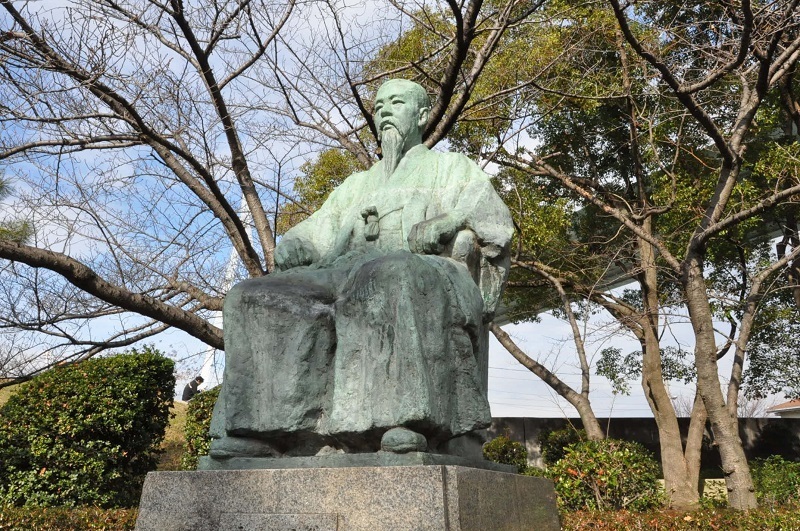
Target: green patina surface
(377, 318)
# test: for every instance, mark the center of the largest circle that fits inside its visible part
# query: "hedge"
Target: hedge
(608, 474)
(198, 421)
(503, 450)
(86, 434)
(716, 519)
(66, 519)
(777, 480)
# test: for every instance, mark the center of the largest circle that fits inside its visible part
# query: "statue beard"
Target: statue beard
(392, 149)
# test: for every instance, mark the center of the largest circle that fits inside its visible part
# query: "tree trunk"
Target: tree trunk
(679, 484)
(590, 423)
(741, 493)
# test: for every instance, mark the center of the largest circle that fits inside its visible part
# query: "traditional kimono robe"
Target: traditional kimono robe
(371, 336)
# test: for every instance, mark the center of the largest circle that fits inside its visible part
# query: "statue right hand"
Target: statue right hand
(293, 253)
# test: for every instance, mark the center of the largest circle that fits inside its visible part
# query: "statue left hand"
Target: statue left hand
(432, 235)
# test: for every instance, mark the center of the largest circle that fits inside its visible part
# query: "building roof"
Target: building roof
(786, 406)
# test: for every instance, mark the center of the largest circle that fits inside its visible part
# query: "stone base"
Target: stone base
(427, 497)
(368, 459)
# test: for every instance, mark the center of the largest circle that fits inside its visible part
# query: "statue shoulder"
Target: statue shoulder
(462, 166)
(353, 185)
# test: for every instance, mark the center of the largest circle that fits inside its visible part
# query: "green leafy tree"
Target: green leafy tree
(656, 157)
(11, 229)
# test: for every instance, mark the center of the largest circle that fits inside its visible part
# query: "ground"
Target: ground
(174, 443)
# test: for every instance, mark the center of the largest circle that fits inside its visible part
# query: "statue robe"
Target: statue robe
(371, 336)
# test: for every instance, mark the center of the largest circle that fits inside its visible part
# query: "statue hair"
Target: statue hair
(417, 91)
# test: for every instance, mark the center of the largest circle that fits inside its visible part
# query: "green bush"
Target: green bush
(552, 444)
(198, 421)
(66, 519)
(607, 474)
(505, 451)
(776, 480)
(762, 518)
(86, 434)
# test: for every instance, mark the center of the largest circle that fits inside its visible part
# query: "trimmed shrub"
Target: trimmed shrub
(552, 444)
(505, 451)
(777, 480)
(67, 519)
(762, 518)
(603, 475)
(86, 434)
(198, 421)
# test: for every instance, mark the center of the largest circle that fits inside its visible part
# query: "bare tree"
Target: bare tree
(132, 131)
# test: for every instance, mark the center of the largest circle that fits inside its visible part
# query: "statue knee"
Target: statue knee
(401, 268)
(278, 292)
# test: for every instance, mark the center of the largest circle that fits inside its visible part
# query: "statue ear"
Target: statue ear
(424, 114)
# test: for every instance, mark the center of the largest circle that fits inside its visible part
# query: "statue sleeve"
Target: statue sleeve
(483, 210)
(487, 216)
(319, 231)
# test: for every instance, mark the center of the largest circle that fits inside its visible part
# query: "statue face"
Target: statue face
(396, 107)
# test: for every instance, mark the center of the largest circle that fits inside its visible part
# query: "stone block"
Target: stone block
(424, 497)
(339, 460)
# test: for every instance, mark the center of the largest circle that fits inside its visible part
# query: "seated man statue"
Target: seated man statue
(373, 333)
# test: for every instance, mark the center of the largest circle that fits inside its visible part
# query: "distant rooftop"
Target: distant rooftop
(786, 406)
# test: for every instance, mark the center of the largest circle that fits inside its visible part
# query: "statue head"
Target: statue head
(402, 108)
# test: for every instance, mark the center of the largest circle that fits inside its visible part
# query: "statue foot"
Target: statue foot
(228, 447)
(403, 440)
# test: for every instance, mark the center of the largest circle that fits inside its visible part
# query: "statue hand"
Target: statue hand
(293, 253)
(432, 235)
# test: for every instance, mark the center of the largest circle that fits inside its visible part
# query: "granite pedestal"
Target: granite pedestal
(419, 497)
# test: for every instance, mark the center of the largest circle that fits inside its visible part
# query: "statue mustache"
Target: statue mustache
(391, 128)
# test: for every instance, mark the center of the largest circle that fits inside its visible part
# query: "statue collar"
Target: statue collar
(417, 150)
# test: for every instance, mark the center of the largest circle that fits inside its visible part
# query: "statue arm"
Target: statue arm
(474, 206)
(311, 239)
(433, 235)
(490, 220)
(478, 227)
(485, 213)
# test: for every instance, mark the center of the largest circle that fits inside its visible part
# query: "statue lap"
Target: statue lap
(336, 355)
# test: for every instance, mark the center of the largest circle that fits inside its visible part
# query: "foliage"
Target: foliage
(621, 370)
(14, 230)
(777, 480)
(607, 474)
(712, 519)
(774, 366)
(503, 450)
(198, 422)
(86, 434)
(553, 443)
(535, 472)
(66, 519)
